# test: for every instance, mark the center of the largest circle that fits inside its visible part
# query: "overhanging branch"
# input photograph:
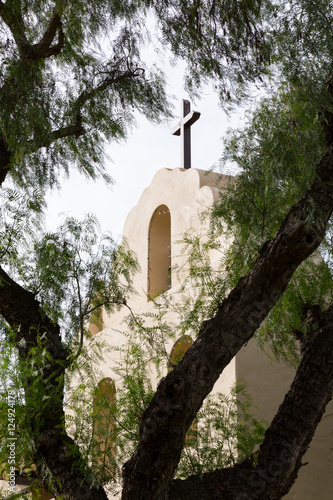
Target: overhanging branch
(180, 394)
(286, 439)
(111, 79)
(23, 313)
(43, 49)
(77, 129)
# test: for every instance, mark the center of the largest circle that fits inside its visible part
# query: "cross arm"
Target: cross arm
(188, 120)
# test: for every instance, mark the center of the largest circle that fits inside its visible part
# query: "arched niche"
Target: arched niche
(159, 252)
(180, 347)
(104, 406)
(96, 323)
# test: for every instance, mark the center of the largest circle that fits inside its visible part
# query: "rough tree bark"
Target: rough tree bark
(179, 396)
(54, 448)
(287, 438)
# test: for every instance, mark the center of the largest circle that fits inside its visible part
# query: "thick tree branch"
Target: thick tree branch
(63, 459)
(287, 438)
(293, 427)
(23, 312)
(12, 16)
(77, 129)
(180, 394)
(4, 159)
(44, 48)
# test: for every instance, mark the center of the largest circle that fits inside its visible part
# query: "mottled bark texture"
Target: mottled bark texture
(148, 473)
(287, 438)
(4, 160)
(54, 449)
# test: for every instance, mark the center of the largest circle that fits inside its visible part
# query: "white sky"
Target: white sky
(133, 163)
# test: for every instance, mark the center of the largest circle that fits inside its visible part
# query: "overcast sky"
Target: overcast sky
(133, 163)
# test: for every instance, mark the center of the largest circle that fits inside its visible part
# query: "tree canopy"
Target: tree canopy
(71, 77)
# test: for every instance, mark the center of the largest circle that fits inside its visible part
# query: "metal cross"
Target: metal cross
(183, 129)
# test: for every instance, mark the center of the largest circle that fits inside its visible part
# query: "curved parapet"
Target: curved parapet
(175, 188)
(186, 194)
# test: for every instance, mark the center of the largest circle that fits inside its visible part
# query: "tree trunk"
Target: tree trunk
(45, 416)
(286, 439)
(4, 160)
(179, 396)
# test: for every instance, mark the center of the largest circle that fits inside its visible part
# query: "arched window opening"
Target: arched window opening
(180, 347)
(96, 323)
(159, 252)
(104, 407)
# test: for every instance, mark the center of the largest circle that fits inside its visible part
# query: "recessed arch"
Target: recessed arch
(104, 406)
(96, 323)
(159, 252)
(180, 347)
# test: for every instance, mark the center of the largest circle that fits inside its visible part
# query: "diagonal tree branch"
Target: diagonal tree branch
(77, 129)
(112, 79)
(44, 48)
(287, 438)
(12, 16)
(23, 312)
(74, 130)
(180, 394)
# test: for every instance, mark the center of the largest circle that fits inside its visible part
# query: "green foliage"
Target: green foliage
(227, 433)
(75, 272)
(44, 397)
(276, 153)
(135, 373)
(223, 40)
(89, 413)
(311, 286)
(197, 297)
(224, 431)
(303, 34)
(20, 218)
(107, 430)
(60, 110)
(13, 428)
(58, 107)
